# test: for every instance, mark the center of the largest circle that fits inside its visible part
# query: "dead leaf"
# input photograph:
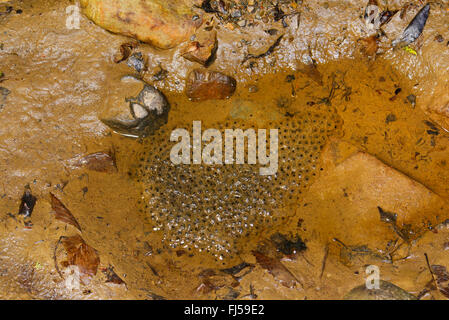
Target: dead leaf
(62, 213)
(111, 276)
(277, 270)
(125, 51)
(370, 46)
(99, 161)
(311, 71)
(211, 280)
(442, 279)
(80, 254)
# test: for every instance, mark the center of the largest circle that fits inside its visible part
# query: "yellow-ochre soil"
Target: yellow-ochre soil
(363, 159)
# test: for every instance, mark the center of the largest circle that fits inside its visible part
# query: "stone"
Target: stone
(148, 111)
(203, 85)
(203, 49)
(163, 24)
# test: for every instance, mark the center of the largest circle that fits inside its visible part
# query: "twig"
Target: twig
(54, 256)
(323, 265)
(266, 53)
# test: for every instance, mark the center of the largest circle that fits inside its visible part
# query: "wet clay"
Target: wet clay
(62, 82)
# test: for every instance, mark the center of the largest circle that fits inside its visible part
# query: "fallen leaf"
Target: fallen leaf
(277, 270)
(80, 254)
(111, 276)
(287, 246)
(370, 45)
(211, 280)
(311, 71)
(442, 279)
(62, 213)
(125, 51)
(99, 161)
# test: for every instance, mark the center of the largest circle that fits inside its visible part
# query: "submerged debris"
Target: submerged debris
(125, 51)
(286, 246)
(414, 29)
(277, 270)
(111, 276)
(390, 118)
(80, 254)
(405, 232)
(370, 45)
(412, 99)
(159, 74)
(99, 161)
(212, 281)
(236, 269)
(27, 203)
(204, 85)
(442, 279)
(62, 213)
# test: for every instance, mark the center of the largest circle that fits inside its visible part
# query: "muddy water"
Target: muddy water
(63, 81)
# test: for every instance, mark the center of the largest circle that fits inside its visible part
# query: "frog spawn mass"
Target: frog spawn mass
(215, 208)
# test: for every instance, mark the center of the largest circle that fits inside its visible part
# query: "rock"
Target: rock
(203, 49)
(204, 85)
(386, 291)
(241, 23)
(163, 24)
(137, 62)
(149, 111)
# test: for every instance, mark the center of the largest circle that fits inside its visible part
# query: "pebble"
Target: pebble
(136, 61)
(204, 84)
(242, 23)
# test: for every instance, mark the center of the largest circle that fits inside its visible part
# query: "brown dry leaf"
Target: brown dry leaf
(125, 51)
(111, 276)
(370, 46)
(442, 279)
(80, 254)
(277, 270)
(99, 161)
(62, 213)
(211, 280)
(311, 71)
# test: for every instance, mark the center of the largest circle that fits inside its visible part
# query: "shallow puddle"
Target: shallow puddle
(156, 223)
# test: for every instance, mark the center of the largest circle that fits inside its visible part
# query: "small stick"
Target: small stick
(431, 272)
(323, 266)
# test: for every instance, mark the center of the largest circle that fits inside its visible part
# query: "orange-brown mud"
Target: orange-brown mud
(386, 152)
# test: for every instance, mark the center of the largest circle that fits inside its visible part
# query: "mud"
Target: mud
(61, 82)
